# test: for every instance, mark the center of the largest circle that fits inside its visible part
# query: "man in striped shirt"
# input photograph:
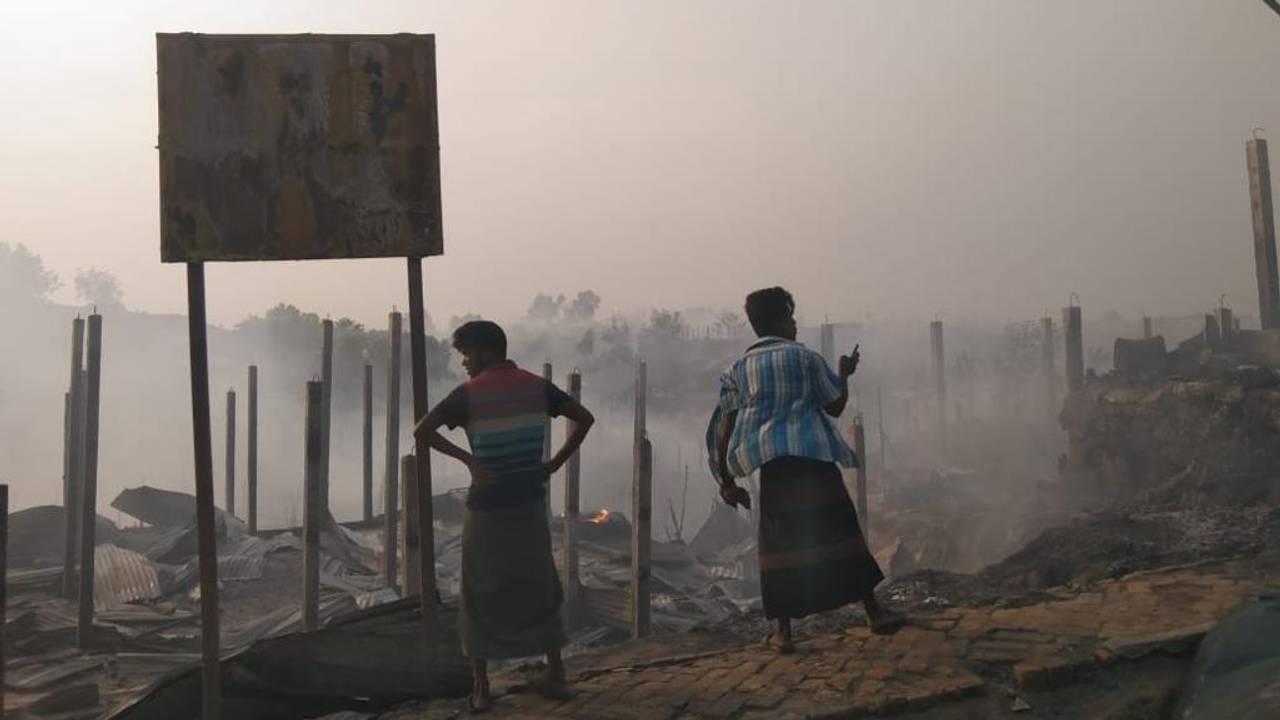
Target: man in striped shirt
(776, 414)
(510, 596)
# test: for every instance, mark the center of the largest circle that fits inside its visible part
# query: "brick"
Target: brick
(764, 700)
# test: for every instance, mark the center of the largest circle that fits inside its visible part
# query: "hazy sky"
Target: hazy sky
(891, 157)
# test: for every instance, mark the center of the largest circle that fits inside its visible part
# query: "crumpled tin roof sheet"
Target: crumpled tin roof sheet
(122, 576)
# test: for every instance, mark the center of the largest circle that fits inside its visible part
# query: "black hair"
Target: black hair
(481, 335)
(768, 308)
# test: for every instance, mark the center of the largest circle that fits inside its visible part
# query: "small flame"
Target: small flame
(601, 516)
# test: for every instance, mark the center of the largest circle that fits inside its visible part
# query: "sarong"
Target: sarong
(812, 554)
(511, 595)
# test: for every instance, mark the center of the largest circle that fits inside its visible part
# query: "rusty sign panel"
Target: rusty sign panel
(290, 147)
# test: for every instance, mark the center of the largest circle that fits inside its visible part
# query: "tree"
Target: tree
(583, 307)
(665, 325)
(23, 275)
(587, 345)
(100, 288)
(730, 325)
(545, 308)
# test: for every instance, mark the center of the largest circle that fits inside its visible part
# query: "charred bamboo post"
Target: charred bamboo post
(641, 539)
(863, 475)
(1146, 328)
(1072, 327)
(412, 557)
(1047, 356)
(206, 540)
(572, 475)
(326, 418)
(1264, 232)
(230, 488)
(75, 453)
(4, 590)
(251, 472)
(422, 448)
(367, 436)
(391, 485)
(89, 491)
(939, 377)
(312, 508)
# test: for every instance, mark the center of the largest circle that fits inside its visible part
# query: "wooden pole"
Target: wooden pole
(939, 377)
(641, 538)
(641, 412)
(1146, 327)
(89, 491)
(863, 475)
(422, 449)
(1072, 325)
(252, 469)
(1264, 232)
(391, 485)
(411, 556)
(326, 419)
(546, 438)
(4, 590)
(367, 436)
(230, 487)
(75, 464)
(313, 511)
(206, 540)
(572, 475)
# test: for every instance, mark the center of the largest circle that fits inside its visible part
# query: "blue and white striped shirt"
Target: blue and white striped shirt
(779, 389)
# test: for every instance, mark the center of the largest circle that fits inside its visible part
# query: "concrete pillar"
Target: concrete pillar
(251, 471)
(230, 458)
(89, 486)
(1226, 322)
(1264, 233)
(75, 462)
(1073, 331)
(391, 484)
(366, 466)
(326, 418)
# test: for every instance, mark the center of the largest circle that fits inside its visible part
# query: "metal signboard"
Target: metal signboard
(292, 147)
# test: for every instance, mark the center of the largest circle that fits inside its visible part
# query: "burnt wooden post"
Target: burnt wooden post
(1264, 232)
(1212, 333)
(1146, 328)
(75, 465)
(863, 475)
(230, 491)
(411, 557)
(326, 419)
(391, 485)
(251, 472)
(641, 391)
(367, 436)
(572, 474)
(1046, 365)
(89, 490)
(546, 438)
(641, 538)
(312, 508)
(206, 539)
(1226, 323)
(1073, 332)
(939, 377)
(4, 590)
(422, 448)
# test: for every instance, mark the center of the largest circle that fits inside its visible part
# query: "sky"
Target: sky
(896, 158)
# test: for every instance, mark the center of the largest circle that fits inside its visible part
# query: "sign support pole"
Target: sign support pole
(211, 685)
(426, 515)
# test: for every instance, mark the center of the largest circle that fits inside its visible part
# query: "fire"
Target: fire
(600, 516)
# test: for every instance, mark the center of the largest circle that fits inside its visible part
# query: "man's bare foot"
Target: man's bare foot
(880, 619)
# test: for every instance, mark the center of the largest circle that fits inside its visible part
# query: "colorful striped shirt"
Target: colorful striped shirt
(779, 389)
(504, 411)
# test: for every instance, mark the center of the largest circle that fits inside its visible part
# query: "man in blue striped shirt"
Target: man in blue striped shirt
(777, 410)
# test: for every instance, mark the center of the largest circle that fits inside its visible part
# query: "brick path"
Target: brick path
(939, 657)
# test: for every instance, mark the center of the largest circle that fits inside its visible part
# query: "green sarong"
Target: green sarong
(511, 594)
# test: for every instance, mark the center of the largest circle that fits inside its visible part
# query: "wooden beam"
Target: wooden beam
(313, 511)
(89, 489)
(641, 539)
(426, 515)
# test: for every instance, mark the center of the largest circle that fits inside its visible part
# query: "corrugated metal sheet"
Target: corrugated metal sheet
(122, 576)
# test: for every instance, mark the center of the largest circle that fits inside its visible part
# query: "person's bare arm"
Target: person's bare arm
(582, 422)
(730, 492)
(429, 426)
(848, 366)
